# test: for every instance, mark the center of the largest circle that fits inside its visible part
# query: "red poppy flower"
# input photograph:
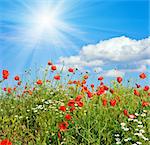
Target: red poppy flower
(80, 104)
(113, 102)
(101, 84)
(104, 102)
(68, 117)
(71, 70)
(59, 135)
(57, 77)
(100, 78)
(142, 75)
(14, 89)
(106, 88)
(125, 112)
(9, 90)
(53, 67)
(5, 142)
(92, 85)
(90, 95)
(71, 102)
(19, 83)
(72, 108)
(63, 126)
(74, 82)
(49, 63)
(62, 108)
(136, 92)
(39, 82)
(119, 79)
(86, 77)
(101, 91)
(78, 98)
(85, 88)
(145, 104)
(138, 86)
(84, 82)
(16, 78)
(5, 74)
(146, 88)
(112, 91)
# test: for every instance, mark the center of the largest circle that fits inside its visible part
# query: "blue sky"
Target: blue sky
(35, 31)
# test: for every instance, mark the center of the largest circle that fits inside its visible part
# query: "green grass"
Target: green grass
(34, 118)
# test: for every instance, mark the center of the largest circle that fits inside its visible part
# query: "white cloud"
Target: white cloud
(114, 73)
(141, 68)
(78, 61)
(145, 62)
(97, 69)
(118, 50)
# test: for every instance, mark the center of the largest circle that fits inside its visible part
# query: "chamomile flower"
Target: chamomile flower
(123, 124)
(118, 142)
(125, 129)
(117, 135)
(126, 139)
(139, 122)
(135, 120)
(136, 114)
(138, 142)
(143, 114)
(117, 139)
(130, 119)
(140, 126)
(146, 139)
(145, 111)
(142, 131)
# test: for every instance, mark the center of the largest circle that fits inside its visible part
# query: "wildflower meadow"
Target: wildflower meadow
(64, 107)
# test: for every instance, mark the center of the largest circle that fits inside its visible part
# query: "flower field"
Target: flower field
(57, 110)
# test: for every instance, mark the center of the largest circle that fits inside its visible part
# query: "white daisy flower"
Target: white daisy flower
(126, 139)
(118, 142)
(138, 142)
(142, 131)
(117, 135)
(139, 122)
(20, 117)
(126, 129)
(136, 114)
(129, 138)
(140, 126)
(117, 139)
(130, 119)
(143, 114)
(138, 134)
(145, 111)
(146, 139)
(46, 102)
(35, 111)
(135, 120)
(123, 124)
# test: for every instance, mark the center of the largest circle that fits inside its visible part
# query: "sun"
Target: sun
(45, 21)
(47, 24)
(44, 25)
